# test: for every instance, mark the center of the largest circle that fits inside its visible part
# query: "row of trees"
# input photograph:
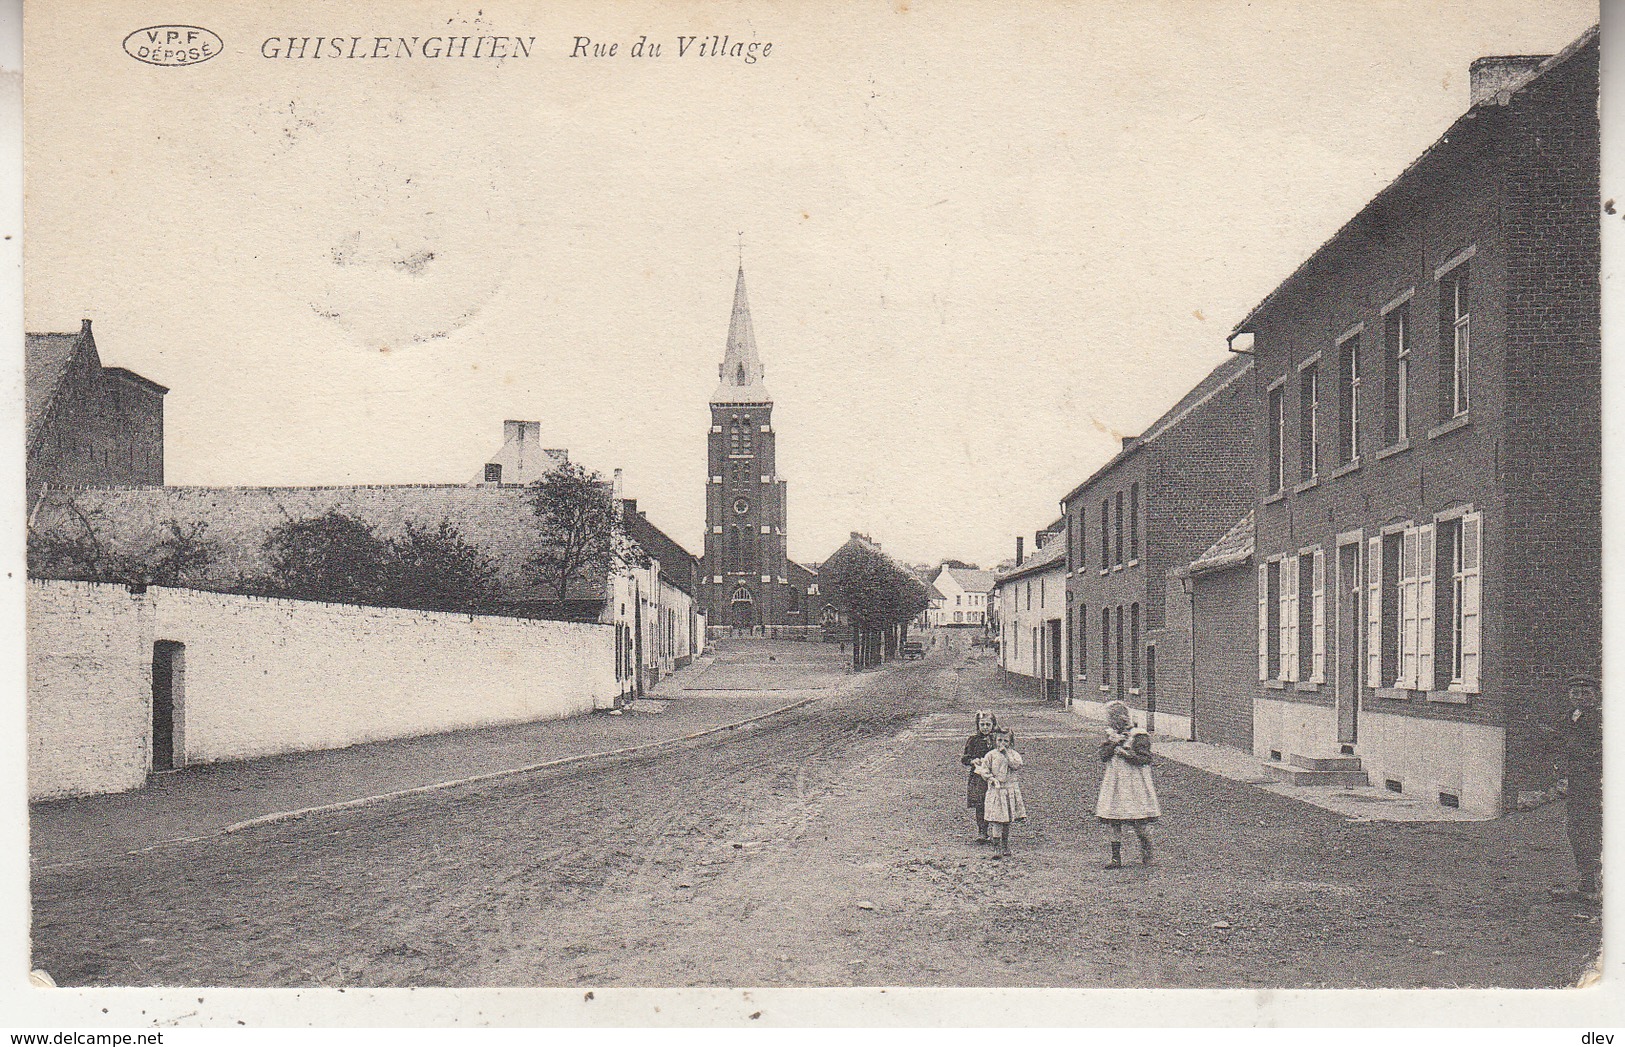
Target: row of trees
(340, 558)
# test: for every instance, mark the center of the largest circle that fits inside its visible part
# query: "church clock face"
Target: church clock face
(741, 506)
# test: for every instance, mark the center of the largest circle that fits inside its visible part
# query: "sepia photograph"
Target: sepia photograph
(672, 495)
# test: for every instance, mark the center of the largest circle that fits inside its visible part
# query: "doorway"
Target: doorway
(168, 704)
(1055, 675)
(1348, 643)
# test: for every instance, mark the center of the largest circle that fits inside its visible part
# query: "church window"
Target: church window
(739, 375)
(741, 506)
(741, 595)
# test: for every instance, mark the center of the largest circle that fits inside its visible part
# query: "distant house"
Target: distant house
(521, 459)
(88, 425)
(964, 594)
(1030, 602)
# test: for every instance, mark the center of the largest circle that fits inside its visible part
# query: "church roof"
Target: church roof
(741, 371)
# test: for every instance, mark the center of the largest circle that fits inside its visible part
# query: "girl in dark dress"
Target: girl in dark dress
(977, 746)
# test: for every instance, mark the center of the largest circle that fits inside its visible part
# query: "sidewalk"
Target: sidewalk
(207, 799)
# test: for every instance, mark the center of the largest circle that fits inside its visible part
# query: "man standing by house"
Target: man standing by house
(1582, 756)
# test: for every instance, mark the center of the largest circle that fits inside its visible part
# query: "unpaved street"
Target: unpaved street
(829, 846)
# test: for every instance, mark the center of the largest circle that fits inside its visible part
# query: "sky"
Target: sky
(982, 242)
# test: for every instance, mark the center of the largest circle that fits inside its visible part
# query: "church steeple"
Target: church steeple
(741, 369)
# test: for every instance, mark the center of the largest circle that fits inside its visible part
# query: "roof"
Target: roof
(1053, 554)
(1469, 119)
(1217, 380)
(677, 565)
(741, 371)
(45, 362)
(1233, 549)
(970, 581)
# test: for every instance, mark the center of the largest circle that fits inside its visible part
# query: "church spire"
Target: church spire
(741, 369)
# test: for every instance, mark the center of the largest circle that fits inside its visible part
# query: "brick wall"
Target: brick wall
(89, 688)
(1226, 656)
(266, 676)
(1552, 460)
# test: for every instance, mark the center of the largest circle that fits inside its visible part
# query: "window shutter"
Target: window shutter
(1424, 607)
(1289, 618)
(1407, 610)
(1263, 621)
(1318, 670)
(1373, 612)
(1472, 535)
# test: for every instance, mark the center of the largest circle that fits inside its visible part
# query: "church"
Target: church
(750, 585)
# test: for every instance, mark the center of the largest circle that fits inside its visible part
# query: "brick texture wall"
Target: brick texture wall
(89, 688)
(1552, 460)
(104, 428)
(269, 676)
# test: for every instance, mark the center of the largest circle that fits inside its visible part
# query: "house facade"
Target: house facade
(1208, 646)
(1156, 506)
(1427, 400)
(1030, 609)
(89, 425)
(965, 594)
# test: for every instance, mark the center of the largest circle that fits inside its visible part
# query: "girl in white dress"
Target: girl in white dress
(1003, 803)
(1127, 796)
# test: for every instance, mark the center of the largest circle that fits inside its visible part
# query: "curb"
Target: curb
(369, 801)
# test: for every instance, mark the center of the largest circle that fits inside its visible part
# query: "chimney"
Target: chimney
(1489, 76)
(1020, 552)
(617, 484)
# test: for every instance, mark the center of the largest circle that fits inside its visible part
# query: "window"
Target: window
(1277, 441)
(493, 473)
(1397, 379)
(1311, 616)
(1134, 646)
(1118, 544)
(1348, 399)
(1122, 689)
(1105, 645)
(1309, 423)
(1082, 649)
(1455, 339)
(959, 616)
(958, 600)
(1105, 533)
(739, 437)
(1134, 521)
(1286, 618)
(735, 557)
(1460, 543)
(1275, 651)
(1403, 605)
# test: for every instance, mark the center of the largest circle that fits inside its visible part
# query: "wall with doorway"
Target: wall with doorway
(89, 688)
(266, 676)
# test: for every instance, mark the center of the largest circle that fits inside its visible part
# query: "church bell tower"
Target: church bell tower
(745, 580)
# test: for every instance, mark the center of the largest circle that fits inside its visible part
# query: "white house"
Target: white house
(1031, 617)
(965, 596)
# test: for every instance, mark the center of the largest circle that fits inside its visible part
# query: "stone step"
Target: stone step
(1304, 776)
(1325, 763)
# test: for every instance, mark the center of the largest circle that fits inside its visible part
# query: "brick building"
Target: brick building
(745, 575)
(1162, 500)
(1428, 548)
(89, 424)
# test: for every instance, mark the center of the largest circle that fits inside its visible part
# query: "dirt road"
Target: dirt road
(829, 847)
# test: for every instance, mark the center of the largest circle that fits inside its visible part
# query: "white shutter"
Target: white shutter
(1263, 621)
(1472, 536)
(1318, 670)
(1373, 612)
(1289, 618)
(1407, 610)
(1424, 607)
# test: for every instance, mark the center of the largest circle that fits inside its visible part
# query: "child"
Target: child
(977, 746)
(1003, 803)
(1126, 792)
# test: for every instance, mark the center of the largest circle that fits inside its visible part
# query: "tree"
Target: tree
(333, 557)
(581, 530)
(76, 544)
(880, 597)
(435, 569)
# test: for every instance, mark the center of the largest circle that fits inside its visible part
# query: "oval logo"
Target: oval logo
(172, 45)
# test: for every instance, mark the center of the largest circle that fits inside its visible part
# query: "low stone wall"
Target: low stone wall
(267, 676)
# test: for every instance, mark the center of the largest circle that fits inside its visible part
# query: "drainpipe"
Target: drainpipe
(1188, 582)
